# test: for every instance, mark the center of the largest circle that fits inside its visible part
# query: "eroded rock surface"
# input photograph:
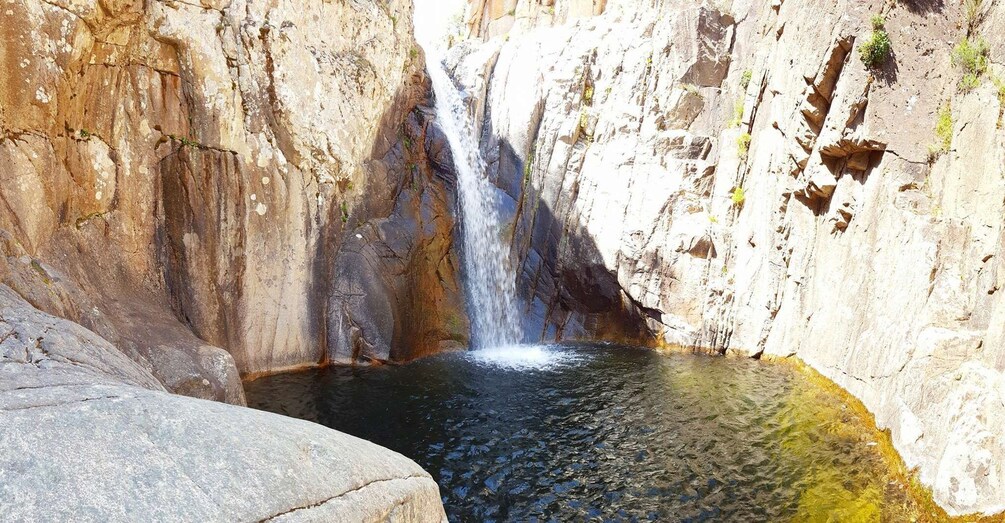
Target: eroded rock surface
(89, 435)
(192, 179)
(731, 177)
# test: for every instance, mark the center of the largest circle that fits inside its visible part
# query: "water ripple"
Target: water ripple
(607, 434)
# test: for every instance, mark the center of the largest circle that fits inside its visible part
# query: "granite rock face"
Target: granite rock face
(89, 435)
(730, 177)
(187, 179)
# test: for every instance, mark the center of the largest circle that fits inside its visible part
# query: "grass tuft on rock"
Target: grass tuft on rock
(943, 131)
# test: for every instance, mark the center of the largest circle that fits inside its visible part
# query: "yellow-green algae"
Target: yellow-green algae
(885, 489)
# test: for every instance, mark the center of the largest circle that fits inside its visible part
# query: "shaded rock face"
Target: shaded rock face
(191, 180)
(732, 178)
(128, 450)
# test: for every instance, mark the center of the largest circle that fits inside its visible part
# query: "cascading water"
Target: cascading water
(490, 285)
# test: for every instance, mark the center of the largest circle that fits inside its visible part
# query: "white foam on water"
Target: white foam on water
(524, 357)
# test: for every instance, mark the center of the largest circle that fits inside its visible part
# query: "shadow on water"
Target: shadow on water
(609, 432)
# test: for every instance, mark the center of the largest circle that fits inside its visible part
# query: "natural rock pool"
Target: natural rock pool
(613, 433)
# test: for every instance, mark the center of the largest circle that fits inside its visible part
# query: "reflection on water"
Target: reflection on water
(590, 432)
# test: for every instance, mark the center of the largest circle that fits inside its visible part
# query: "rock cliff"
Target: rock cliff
(733, 177)
(226, 187)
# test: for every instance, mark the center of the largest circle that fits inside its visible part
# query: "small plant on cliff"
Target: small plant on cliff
(528, 165)
(85, 134)
(876, 49)
(1000, 86)
(739, 196)
(185, 142)
(745, 79)
(972, 56)
(345, 212)
(743, 145)
(584, 122)
(944, 133)
(972, 12)
(737, 113)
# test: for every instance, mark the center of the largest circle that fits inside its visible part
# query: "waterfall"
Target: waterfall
(489, 283)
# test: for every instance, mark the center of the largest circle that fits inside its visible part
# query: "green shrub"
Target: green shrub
(588, 94)
(876, 49)
(972, 57)
(743, 145)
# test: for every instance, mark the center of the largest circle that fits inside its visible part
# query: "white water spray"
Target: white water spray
(490, 285)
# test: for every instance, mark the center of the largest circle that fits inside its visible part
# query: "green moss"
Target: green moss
(739, 196)
(737, 113)
(528, 165)
(41, 271)
(584, 122)
(80, 222)
(876, 49)
(743, 145)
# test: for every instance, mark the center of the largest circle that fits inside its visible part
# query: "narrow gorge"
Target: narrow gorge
(354, 212)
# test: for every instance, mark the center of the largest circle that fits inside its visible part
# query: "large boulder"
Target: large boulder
(90, 435)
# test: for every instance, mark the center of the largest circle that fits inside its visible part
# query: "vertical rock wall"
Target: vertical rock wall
(184, 178)
(731, 177)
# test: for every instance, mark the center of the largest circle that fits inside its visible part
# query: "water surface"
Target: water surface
(609, 433)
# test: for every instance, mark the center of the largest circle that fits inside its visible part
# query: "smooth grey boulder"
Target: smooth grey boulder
(86, 434)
